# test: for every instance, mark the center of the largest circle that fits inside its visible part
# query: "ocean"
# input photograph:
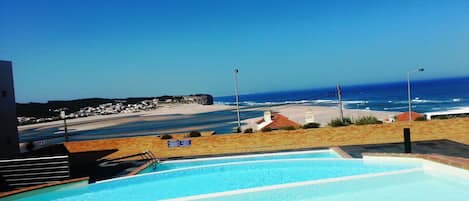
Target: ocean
(427, 96)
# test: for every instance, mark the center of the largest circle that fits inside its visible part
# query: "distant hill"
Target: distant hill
(45, 110)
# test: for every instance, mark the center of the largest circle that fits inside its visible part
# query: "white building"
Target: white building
(461, 111)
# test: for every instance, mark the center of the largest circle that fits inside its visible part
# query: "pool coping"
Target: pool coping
(337, 150)
(42, 186)
(242, 153)
(456, 162)
(341, 152)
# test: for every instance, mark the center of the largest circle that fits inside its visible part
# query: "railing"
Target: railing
(148, 155)
(23, 172)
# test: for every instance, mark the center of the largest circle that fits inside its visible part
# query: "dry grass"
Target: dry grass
(452, 129)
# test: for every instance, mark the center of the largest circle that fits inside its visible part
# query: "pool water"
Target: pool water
(297, 176)
(413, 186)
(216, 178)
(171, 165)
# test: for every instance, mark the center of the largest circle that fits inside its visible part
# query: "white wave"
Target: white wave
(434, 101)
(395, 108)
(355, 102)
(269, 103)
(324, 101)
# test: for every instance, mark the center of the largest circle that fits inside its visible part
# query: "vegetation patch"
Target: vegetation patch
(338, 122)
(288, 128)
(450, 116)
(421, 119)
(266, 129)
(367, 120)
(311, 125)
(166, 137)
(195, 134)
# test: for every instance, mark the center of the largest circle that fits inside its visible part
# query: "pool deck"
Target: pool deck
(441, 147)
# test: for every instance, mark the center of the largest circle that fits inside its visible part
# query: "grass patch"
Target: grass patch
(367, 120)
(166, 137)
(195, 134)
(338, 122)
(311, 125)
(266, 129)
(288, 128)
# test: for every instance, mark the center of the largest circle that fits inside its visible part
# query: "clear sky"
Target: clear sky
(89, 48)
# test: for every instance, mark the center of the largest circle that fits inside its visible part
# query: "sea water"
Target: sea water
(427, 96)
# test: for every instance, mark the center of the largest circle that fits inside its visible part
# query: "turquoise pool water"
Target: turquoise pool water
(171, 165)
(414, 186)
(217, 178)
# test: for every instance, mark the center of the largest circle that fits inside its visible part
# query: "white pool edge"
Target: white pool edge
(256, 155)
(428, 166)
(290, 185)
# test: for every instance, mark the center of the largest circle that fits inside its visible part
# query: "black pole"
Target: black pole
(407, 145)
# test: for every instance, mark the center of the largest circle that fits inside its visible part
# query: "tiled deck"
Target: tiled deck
(442, 147)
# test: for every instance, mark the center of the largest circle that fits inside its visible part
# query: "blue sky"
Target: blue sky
(79, 49)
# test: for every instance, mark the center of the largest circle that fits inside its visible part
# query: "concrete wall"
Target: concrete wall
(8, 130)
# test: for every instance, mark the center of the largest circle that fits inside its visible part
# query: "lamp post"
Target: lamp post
(64, 117)
(408, 90)
(236, 71)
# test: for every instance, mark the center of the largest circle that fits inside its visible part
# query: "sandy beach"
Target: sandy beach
(322, 115)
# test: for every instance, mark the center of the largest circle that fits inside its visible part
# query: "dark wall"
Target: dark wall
(8, 131)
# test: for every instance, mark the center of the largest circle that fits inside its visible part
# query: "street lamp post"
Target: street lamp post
(236, 71)
(64, 117)
(408, 90)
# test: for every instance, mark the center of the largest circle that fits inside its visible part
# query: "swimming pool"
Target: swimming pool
(177, 164)
(278, 179)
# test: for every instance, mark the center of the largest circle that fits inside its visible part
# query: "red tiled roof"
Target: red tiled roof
(405, 116)
(279, 121)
